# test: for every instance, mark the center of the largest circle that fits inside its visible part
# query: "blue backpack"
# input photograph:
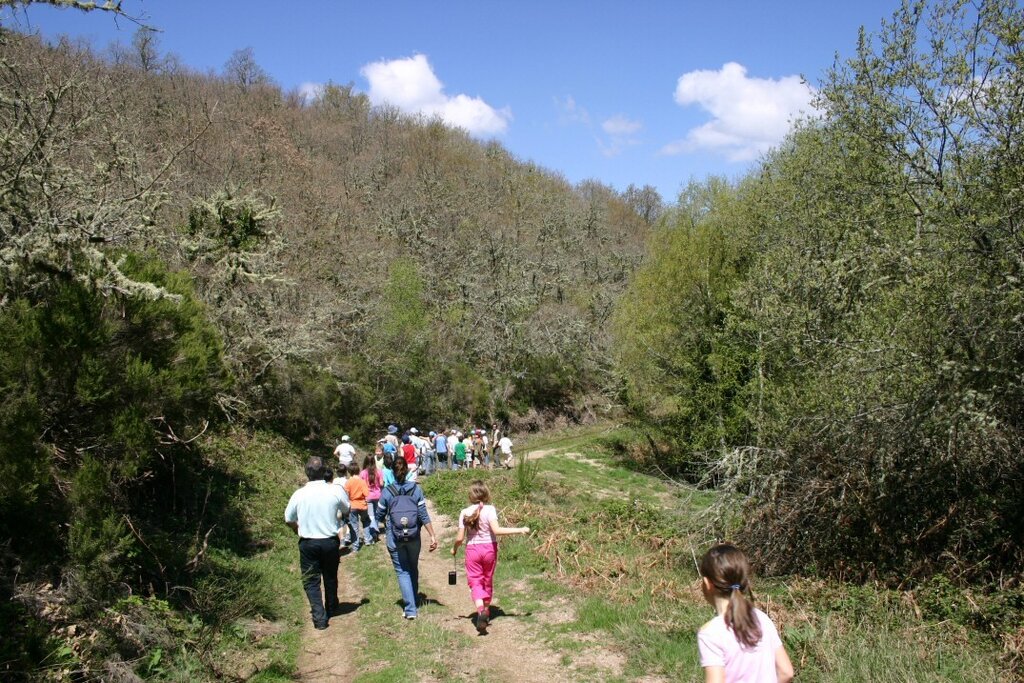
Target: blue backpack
(403, 515)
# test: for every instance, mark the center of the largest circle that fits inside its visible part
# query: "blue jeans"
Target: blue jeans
(429, 463)
(374, 525)
(405, 558)
(354, 519)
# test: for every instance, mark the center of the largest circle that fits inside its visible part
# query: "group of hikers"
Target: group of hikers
(352, 507)
(438, 450)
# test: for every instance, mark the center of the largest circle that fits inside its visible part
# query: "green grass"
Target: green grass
(617, 547)
(612, 557)
(251, 586)
(420, 646)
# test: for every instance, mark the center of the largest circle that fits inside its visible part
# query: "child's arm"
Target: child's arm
(459, 537)
(499, 530)
(714, 674)
(783, 667)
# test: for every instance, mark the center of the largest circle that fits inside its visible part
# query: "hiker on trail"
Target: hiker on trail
(459, 457)
(392, 437)
(389, 472)
(441, 448)
(345, 452)
(496, 435)
(358, 491)
(452, 440)
(312, 513)
(475, 448)
(505, 446)
(424, 454)
(374, 479)
(404, 509)
(409, 455)
(479, 522)
(741, 643)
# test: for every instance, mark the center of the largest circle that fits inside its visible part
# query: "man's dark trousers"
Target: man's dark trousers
(319, 557)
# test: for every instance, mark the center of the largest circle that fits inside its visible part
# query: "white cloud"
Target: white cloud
(570, 112)
(621, 133)
(620, 125)
(310, 92)
(411, 85)
(749, 115)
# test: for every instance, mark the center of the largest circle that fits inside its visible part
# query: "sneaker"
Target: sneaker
(410, 617)
(482, 619)
(320, 627)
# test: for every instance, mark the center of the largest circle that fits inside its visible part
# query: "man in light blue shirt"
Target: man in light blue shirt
(313, 513)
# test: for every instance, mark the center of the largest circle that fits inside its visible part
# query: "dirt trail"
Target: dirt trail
(511, 650)
(508, 651)
(324, 655)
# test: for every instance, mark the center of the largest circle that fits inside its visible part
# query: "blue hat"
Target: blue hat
(392, 429)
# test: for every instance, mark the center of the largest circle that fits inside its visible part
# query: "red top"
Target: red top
(409, 453)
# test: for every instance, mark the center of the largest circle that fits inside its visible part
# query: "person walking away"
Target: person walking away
(345, 452)
(496, 435)
(312, 513)
(479, 527)
(358, 515)
(374, 479)
(392, 437)
(505, 446)
(341, 480)
(459, 457)
(409, 455)
(404, 509)
(452, 440)
(441, 448)
(388, 469)
(423, 451)
(741, 643)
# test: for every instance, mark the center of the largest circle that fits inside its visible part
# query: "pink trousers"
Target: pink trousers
(481, 559)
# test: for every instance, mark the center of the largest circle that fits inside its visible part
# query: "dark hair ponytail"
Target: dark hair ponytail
(728, 570)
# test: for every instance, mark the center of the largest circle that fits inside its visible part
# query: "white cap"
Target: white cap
(345, 438)
(413, 430)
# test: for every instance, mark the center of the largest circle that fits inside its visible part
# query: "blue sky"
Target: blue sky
(641, 92)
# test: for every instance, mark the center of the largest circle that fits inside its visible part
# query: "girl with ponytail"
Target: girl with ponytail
(741, 644)
(480, 523)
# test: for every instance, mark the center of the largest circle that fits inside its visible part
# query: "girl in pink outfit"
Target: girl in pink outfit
(479, 522)
(741, 644)
(374, 479)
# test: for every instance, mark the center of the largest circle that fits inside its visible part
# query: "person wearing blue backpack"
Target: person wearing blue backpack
(404, 509)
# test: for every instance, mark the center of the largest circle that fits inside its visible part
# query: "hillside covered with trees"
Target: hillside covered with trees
(183, 253)
(196, 268)
(835, 340)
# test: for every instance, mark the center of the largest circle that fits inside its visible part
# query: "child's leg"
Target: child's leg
(364, 517)
(480, 562)
(489, 562)
(353, 525)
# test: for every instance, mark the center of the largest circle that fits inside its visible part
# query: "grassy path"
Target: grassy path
(605, 590)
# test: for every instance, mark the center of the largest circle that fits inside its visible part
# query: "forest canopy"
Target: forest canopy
(836, 338)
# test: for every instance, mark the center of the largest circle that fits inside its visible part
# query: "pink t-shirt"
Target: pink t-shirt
(483, 533)
(374, 486)
(718, 646)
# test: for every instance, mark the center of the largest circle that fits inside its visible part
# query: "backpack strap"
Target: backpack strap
(393, 489)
